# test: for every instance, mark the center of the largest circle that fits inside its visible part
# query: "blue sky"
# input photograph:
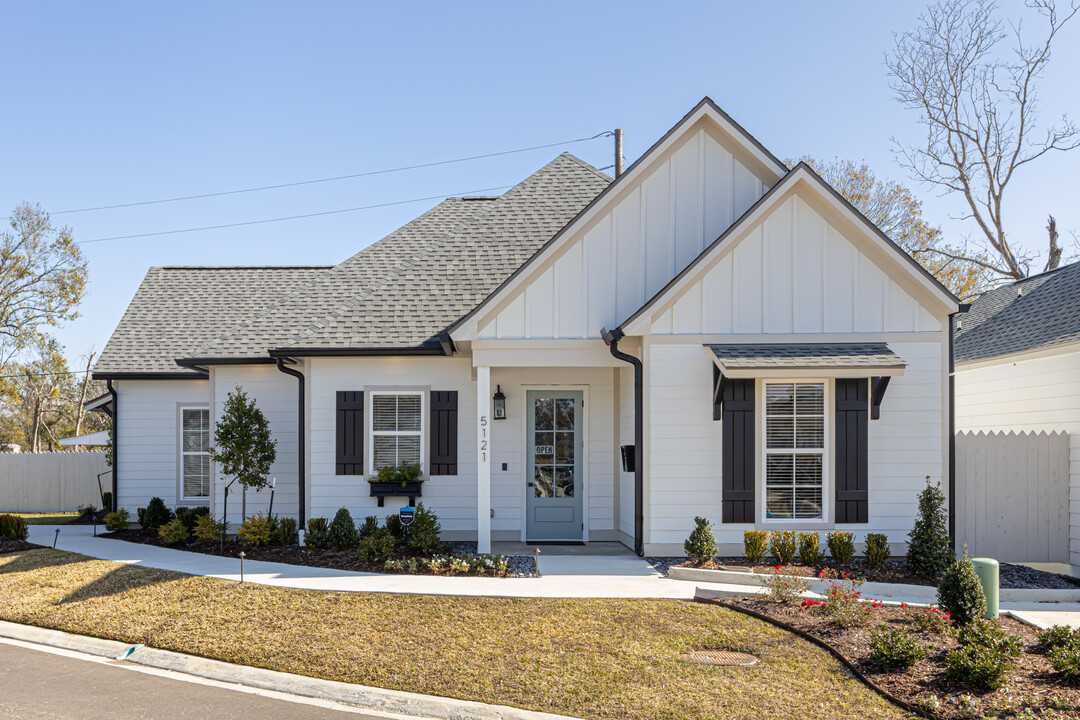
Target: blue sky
(121, 102)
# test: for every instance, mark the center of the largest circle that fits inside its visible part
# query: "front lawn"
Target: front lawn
(57, 518)
(590, 658)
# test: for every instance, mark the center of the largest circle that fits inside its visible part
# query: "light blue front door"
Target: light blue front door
(553, 474)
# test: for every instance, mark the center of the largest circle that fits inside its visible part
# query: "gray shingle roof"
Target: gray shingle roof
(1029, 314)
(171, 309)
(404, 290)
(810, 355)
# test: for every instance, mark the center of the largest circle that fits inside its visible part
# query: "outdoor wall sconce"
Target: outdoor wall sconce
(500, 403)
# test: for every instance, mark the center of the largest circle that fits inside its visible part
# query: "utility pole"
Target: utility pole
(618, 152)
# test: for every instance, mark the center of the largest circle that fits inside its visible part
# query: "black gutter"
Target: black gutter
(301, 445)
(964, 307)
(612, 340)
(114, 415)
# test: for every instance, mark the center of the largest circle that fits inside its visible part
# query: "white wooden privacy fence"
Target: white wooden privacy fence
(1012, 495)
(51, 481)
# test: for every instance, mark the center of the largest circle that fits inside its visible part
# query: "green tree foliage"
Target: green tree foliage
(244, 448)
(929, 549)
(701, 545)
(422, 537)
(960, 593)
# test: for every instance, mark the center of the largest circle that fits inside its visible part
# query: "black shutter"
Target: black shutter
(852, 458)
(738, 451)
(443, 432)
(350, 432)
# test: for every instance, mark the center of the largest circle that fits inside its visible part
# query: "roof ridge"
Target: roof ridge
(372, 288)
(588, 166)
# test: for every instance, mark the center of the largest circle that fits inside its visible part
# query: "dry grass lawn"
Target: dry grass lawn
(59, 518)
(617, 659)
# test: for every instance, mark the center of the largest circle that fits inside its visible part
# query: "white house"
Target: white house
(712, 333)
(1018, 370)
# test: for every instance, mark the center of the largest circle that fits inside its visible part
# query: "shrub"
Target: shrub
(782, 546)
(86, 511)
(1065, 659)
(755, 544)
(896, 648)
(844, 605)
(286, 530)
(784, 588)
(1057, 636)
(929, 550)
(106, 501)
(189, 516)
(207, 529)
(342, 533)
(13, 527)
(423, 534)
(118, 520)
(317, 536)
(929, 620)
(155, 514)
(370, 525)
(841, 546)
(173, 532)
(960, 592)
(393, 524)
(984, 656)
(701, 545)
(810, 552)
(257, 530)
(379, 546)
(877, 549)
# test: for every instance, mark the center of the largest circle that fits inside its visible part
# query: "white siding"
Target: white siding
(684, 461)
(794, 272)
(1039, 393)
(275, 394)
(147, 439)
(658, 226)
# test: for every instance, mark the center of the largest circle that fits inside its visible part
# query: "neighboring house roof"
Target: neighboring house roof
(810, 355)
(1029, 314)
(400, 293)
(176, 308)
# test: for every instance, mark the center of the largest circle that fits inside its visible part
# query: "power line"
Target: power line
(292, 217)
(329, 179)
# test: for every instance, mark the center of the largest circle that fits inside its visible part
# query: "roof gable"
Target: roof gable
(802, 259)
(635, 236)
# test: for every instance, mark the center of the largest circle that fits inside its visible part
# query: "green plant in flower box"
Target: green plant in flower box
(402, 474)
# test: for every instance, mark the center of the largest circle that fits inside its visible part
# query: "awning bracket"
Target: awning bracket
(878, 387)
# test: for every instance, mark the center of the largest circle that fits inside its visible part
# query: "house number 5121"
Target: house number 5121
(483, 438)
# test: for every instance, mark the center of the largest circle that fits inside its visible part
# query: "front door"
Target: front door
(553, 476)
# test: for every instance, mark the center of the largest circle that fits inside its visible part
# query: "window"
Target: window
(396, 429)
(195, 452)
(794, 450)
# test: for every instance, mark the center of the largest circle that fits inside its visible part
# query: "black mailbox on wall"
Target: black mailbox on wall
(628, 455)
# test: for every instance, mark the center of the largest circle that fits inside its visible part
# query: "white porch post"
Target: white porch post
(483, 459)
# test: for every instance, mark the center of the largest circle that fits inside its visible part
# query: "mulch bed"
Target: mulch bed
(7, 546)
(1011, 576)
(291, 554)
(1031, 683)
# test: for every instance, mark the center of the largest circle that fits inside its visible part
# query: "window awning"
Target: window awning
(807, 360)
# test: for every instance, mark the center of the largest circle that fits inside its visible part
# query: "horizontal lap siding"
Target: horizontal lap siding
(905, 444)
(148, 436)
(1033, 394)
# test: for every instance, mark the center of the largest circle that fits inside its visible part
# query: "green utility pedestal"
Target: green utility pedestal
(987, 570)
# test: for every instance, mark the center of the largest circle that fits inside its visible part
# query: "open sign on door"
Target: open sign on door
(545, 449)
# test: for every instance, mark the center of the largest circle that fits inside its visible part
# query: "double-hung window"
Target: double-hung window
(194, 452)
(396, 429)
(794, 453)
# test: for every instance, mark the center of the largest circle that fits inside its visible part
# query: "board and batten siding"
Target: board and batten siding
(794, 273)
(654, 230)
(684, 444)
(626, 437)
(1039, 392)
(148, 438)
(275, 394)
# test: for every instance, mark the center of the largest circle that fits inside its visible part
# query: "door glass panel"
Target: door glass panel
(564, 482)
(543, 483)
(564, 414)
(564, 448)
(544, 415)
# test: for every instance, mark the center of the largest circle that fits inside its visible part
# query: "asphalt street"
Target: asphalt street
(39, 685)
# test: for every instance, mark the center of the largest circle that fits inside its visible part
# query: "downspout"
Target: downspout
(612, 340)
(115, 417)
(301, 445)
(964, 307)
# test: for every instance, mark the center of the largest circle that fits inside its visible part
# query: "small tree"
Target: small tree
(243, 446)
(929, 549)
(701, 545)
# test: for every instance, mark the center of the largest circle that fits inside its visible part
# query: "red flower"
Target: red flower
(903, 606)
(777, 567)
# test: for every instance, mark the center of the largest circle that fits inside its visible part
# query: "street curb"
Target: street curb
(390, 702)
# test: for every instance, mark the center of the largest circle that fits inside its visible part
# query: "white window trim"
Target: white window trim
(181, 453)
(369, 420)
(826, 455)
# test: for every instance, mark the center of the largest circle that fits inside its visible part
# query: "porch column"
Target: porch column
(483, 459)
